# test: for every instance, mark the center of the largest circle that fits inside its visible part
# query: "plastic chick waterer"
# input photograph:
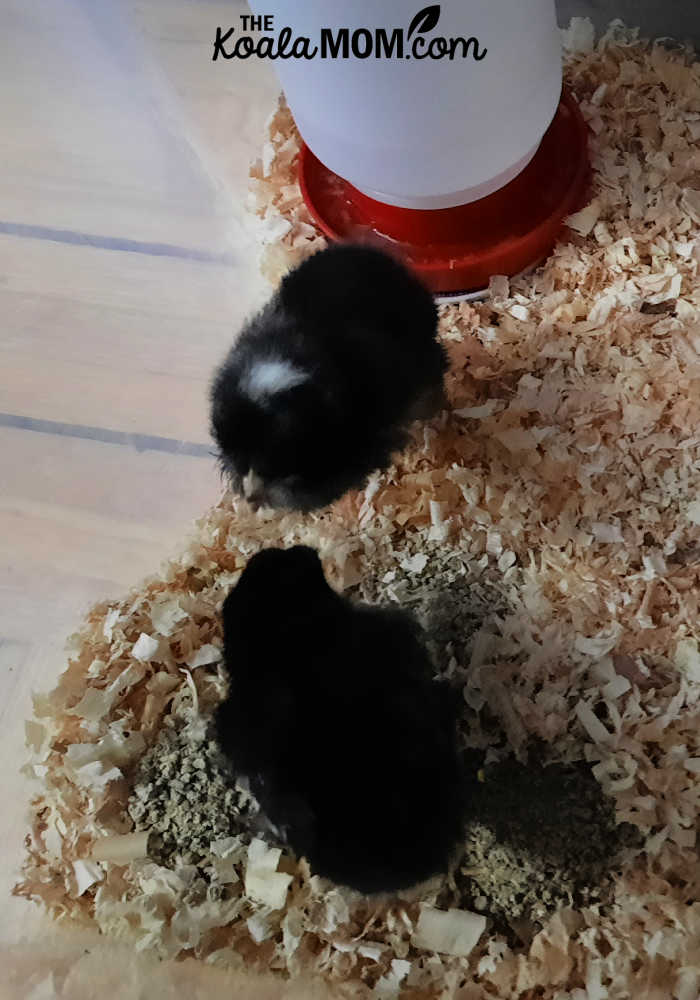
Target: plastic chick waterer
(441, 133)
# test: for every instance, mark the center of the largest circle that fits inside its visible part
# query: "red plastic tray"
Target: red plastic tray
(456, 250)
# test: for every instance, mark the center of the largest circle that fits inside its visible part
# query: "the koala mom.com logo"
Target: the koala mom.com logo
(342, 43)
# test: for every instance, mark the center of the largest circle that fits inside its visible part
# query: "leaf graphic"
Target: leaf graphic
(429, 17)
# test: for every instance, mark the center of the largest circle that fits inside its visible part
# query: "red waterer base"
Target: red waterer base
(456, 250)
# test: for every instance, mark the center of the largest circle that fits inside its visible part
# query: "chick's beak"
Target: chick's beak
(253, 488)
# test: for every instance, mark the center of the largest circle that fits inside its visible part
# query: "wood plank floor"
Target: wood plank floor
(127, 263)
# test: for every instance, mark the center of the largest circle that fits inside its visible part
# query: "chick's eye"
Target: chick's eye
(272, 465)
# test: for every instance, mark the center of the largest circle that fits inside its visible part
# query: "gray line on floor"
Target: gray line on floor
(73, 238)
(141, 442)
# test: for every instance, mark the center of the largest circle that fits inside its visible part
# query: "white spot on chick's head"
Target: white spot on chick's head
(266, 378)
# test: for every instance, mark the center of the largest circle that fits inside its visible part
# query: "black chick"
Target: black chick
(333, 717)
(321, 385)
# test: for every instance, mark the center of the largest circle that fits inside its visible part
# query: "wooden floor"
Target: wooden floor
(127, 262)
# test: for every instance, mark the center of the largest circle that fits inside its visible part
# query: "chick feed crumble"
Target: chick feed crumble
(561, 492)
(184, 797)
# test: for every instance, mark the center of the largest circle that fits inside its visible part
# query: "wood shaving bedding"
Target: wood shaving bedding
(562, 489)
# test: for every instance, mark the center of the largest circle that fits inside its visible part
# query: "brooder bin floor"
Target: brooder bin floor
(546, 528)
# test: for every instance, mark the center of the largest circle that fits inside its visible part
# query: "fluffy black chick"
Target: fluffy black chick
(334, 718)
(321, 385)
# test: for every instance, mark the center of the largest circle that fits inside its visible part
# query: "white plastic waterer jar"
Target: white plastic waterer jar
(423, 132)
